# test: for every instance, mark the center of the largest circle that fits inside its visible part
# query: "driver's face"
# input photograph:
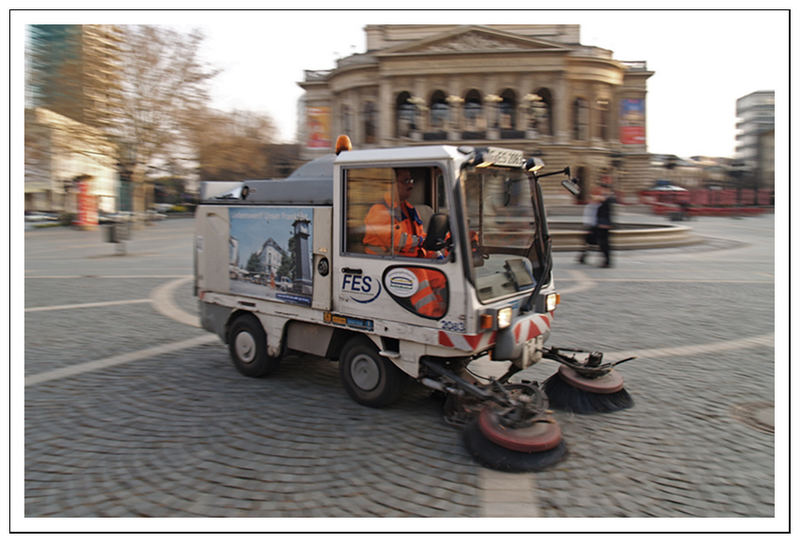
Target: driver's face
(405, 184)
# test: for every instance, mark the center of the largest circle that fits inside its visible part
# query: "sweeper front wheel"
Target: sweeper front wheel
(569, 390)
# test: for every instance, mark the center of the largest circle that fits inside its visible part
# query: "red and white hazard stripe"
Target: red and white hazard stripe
(467, 342)
(531, 327)
(524, 330)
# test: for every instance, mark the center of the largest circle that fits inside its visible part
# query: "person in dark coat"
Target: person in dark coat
(605, 222)
(590, 225)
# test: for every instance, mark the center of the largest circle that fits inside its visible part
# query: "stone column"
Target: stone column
(522, 114)
(492, 102)
(561, 111)
(453, 125)
(529, 102)
(358, 120)
(613, 117)
(421, 102)
(385, 113)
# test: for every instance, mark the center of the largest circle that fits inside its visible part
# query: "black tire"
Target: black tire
(493, 456)
(247, 344)
(369, 378)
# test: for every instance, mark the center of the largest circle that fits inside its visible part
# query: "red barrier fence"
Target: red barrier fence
(709, 202)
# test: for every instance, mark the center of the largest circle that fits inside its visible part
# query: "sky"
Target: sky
(703, 60)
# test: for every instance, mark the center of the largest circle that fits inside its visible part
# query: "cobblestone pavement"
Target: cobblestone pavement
(182, 434)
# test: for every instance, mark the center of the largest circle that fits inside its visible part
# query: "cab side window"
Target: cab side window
(364, 187)
(380, 202)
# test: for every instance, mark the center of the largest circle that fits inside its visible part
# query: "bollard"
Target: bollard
(118, 234)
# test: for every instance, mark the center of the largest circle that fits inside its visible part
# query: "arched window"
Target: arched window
(404, 115)
(370, 123)
(508, 110)
(440, 111)
(473, 111)
(579, 119)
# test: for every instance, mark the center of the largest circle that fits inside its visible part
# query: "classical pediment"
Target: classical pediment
(472, 39)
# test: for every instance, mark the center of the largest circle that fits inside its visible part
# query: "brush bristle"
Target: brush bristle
(562, 395)
(493, 456)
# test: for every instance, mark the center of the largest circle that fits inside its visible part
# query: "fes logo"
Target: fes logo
(362, 289)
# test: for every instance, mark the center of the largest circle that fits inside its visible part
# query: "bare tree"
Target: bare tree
(233, 146)
(125, 92)
(164, 81)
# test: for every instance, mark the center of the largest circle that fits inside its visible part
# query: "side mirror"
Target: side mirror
(572, 185)
(438, 227)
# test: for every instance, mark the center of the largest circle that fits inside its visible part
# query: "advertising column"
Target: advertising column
(87, 205)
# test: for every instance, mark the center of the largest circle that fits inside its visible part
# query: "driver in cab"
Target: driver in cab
(394, 225)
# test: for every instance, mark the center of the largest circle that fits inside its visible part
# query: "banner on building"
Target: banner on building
(319, 127)
(631, 126)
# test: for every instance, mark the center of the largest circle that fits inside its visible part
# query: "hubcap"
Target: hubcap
(245, 345)
(365, 371)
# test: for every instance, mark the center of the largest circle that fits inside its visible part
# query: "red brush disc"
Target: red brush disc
(539, 436)
(605, 384)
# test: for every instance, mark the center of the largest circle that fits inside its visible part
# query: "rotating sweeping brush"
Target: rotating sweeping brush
(532, 447)
(568, 390)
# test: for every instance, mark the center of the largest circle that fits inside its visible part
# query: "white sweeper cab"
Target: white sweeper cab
(321, 262)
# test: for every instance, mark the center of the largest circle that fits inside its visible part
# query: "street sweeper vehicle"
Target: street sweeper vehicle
(404, 264)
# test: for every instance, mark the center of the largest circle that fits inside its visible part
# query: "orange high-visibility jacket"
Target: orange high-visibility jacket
(405, 236)
(430, 299)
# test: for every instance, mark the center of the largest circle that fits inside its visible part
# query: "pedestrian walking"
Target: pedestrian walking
(589, 225)
(605, 221)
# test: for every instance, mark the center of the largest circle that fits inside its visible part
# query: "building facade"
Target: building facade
(73, 85)
(74, 71)
(59, 153)
(530, 87)
(755, 139)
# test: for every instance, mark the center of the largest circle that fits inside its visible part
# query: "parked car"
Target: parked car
(40, 216)
(154, 215)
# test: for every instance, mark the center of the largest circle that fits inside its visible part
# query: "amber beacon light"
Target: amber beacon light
(343, 144)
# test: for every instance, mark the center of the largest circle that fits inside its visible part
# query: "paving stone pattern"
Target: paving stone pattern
(187, 435)
(183, 434)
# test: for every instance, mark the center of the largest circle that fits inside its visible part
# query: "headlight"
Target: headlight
(504, 318)
(551, 301)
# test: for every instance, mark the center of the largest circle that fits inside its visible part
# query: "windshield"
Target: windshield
(503, 228)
